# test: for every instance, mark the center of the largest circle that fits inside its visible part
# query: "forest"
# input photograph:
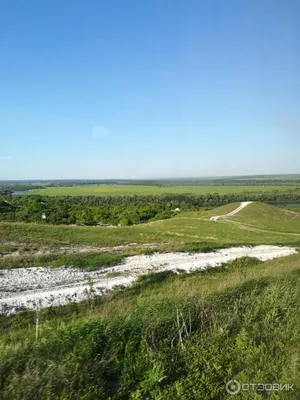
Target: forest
(119, 210)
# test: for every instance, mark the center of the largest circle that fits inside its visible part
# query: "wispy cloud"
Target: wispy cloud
(99, 131)
(4, 158)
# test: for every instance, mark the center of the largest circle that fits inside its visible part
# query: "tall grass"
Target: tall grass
(182, 347)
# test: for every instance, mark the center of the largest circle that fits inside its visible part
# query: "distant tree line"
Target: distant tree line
(8, 189)
(119, 210)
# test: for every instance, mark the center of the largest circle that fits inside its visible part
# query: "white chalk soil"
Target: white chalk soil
(243, 205)
(38, 287)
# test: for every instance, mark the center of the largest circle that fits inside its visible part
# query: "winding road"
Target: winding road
(243, 205)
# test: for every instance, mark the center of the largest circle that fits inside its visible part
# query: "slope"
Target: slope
(268, 217)
(168, 337)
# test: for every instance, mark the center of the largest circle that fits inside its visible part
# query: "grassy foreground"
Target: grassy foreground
(130, 190)
(168, 337)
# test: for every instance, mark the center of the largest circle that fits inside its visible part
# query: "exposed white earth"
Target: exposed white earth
(243, 205)
(38, 287)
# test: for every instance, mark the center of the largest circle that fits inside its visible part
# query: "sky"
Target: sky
(149, 89)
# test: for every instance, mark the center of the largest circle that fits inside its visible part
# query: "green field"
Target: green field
(130, 190)
(169, 336)
(258, 223)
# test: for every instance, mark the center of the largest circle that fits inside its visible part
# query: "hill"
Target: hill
(223, 210)
(268, 217)
(169, 335)
(278, 225)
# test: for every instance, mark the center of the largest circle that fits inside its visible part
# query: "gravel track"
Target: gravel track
(35, 288)
(243, 205)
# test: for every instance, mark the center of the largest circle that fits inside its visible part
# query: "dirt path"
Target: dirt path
(243, 205)
(35, 288)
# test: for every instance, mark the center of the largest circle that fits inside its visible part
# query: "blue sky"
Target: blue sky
(148, 89)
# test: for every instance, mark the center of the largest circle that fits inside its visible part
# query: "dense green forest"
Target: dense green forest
(115, 210)
(82, 210)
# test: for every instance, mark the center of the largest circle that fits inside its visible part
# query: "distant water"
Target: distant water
(19, 192)
(289, 204)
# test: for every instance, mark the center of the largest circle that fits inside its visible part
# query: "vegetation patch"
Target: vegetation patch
(181, 348)
(243, 262)
(125, 210)
(88, 261)
(203, 247)
(128, 190)
(148, 252)
(153, 278)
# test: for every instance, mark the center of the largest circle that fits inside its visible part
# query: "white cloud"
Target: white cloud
(99, 131)
(3, 158)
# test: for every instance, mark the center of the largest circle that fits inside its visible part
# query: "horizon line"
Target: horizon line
(151, 179)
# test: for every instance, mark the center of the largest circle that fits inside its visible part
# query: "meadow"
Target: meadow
(169, 336)
(265, 225)
(131, 190)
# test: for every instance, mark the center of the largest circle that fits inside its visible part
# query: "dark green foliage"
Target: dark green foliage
(83, 210)
(243, 262)
(123, 210)
(153, 278)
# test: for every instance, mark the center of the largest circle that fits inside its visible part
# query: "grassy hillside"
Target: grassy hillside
(129, 190)
(223, 210)
(279, 226)
(168, 337)
(269, 217)
(169, 235)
